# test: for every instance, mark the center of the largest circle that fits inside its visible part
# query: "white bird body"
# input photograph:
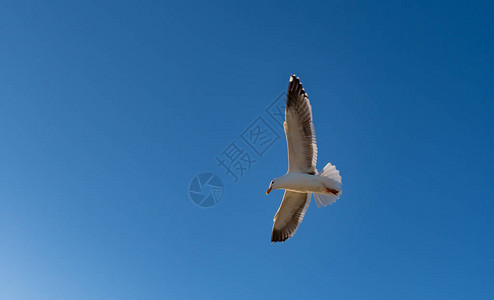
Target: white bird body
(302, 179)
(303, 183)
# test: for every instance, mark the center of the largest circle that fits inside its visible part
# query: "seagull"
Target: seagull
(302, 179)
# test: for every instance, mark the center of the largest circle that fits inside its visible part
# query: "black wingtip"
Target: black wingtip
(278, 237)
(294, 78)
(295, 90)
(296, 83)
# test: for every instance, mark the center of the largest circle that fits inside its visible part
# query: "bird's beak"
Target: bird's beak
(268, 191)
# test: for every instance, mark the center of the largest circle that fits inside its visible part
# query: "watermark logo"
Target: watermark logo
(206, 190)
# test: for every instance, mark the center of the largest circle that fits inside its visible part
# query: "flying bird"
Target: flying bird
(302, 179)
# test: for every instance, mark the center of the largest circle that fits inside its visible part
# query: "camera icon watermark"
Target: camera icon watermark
(206, 190)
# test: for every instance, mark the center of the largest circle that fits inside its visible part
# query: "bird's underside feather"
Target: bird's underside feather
(289, 215)
(299, 130)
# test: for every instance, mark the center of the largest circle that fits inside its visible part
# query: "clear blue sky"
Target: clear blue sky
(108, 110)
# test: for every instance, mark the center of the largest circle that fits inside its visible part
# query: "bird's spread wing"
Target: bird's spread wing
(289, 215)
(299, 130)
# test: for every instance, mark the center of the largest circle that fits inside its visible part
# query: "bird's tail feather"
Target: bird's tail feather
(332, 182)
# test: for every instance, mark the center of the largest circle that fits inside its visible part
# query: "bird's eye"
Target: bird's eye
(272, 182)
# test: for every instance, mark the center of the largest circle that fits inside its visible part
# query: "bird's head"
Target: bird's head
(272, 186)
